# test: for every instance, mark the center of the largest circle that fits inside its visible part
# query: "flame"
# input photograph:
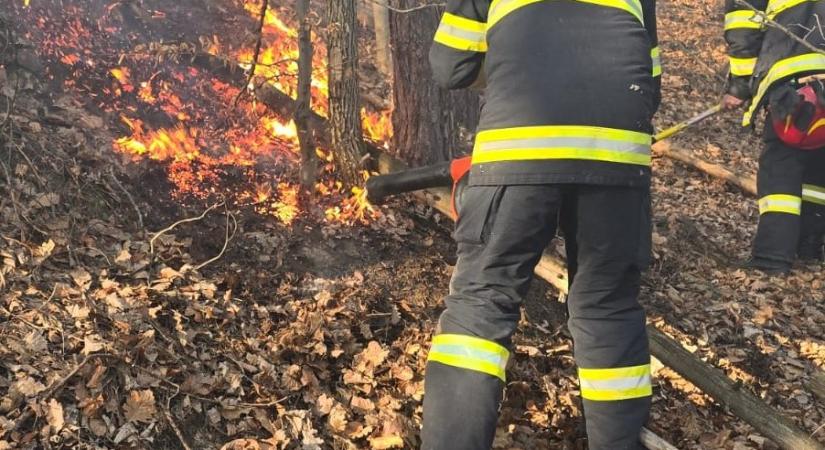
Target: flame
(355, 209)
(186, 120)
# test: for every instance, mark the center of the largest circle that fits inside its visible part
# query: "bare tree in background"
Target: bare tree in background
(344, 102)
(430, 124)
(304, 108)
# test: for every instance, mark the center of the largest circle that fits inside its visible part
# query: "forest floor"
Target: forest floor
(122, 327)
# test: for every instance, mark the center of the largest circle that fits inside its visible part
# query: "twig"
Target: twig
(264, 7)
(227, 238)
(167, 412)
(54, 389)
(774, 24)
(129, 196)
(408, 10)
(180, 222)
(817, 429)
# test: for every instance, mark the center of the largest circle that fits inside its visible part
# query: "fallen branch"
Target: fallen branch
(176, 224)
(709, 379)
(52, 390)
(226, 241)
(746, 183)
(167, 413)
(129, 196)
(654, 442)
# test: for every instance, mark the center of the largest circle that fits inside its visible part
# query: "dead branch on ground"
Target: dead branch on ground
(228, 238)
(178, 223)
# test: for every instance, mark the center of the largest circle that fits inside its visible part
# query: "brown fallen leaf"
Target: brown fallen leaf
(385, 442)
(92, 343)
(140, 406)
(54, 415)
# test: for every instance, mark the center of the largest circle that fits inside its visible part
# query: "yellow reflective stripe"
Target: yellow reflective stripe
(777, 6)
(463, 23)
(461, 33)
(742, 20)
(500, 8)
(813, 194)
(656, 57)
(471, 353)
(809, 62)
(615, 384)
(632, 6)
(742, 67)
(780, 203)
(562, 142)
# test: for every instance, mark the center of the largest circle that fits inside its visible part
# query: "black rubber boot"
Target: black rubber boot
(810, 250)
(767, 266)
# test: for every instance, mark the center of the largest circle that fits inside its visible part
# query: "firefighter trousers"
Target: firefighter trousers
(791, 188)
(501, 234)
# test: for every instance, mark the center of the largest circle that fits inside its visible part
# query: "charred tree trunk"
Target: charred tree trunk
(303, 111)
(381, 21)
(344, 103)
(430, 124)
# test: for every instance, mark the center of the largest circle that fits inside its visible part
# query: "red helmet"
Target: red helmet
(804, 127)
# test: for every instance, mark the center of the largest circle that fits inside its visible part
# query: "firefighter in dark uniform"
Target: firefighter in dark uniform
(771, 69)
(564, 141)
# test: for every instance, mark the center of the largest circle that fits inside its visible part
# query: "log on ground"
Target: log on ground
(745, 182)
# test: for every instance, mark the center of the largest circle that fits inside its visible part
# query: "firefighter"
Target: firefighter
(770, 69)
(563, 141)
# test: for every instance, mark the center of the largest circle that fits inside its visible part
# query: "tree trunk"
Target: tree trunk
(344, 103)
(303, 111)
(381, 20)
(430, 124)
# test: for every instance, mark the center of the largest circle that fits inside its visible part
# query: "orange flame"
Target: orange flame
(195, 160)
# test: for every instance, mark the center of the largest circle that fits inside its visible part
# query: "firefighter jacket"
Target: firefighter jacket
(571, 87)
(763, 56)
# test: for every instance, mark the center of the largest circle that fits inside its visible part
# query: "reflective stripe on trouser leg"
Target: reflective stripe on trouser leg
(812, 229)
(619, 383)
(471, 353)
(500, 240)
(612, 236)
(779, 184)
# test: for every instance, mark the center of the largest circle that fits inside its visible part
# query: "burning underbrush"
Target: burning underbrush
(151, 72)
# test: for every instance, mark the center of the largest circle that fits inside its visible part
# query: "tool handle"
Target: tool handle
(664, 134)
(381, 186)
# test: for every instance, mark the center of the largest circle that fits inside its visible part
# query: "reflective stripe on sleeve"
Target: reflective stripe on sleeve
(656, 57)
(813, 194)
(809, 62)
(780, 203)
(471, 353)
(501, 8)
(562, 142)
(461, 33)
(738, 20)
(742, 67)
(615, 384)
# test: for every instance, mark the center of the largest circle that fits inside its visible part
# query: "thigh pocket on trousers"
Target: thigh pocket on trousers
(476, 214)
